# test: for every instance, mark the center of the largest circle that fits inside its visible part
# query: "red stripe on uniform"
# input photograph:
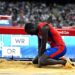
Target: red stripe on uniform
(59, 51)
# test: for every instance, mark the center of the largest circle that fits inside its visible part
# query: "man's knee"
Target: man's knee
(43, 59)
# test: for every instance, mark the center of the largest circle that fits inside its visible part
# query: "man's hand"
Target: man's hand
(35, 60)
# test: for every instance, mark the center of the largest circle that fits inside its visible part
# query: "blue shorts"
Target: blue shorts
(53, 50)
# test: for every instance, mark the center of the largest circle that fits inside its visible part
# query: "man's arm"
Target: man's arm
(44, 38)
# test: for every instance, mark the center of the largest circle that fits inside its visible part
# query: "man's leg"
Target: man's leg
(45, 60)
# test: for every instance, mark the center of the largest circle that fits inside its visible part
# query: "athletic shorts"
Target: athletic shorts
(53, 50)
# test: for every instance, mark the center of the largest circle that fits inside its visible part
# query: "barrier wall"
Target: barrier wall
(14, 42)
(5, 20)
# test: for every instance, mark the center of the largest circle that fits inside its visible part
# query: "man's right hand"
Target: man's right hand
(35, 60)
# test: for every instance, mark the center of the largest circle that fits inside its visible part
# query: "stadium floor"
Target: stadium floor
(27, 68)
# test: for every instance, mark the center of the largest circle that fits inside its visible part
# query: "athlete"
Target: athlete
(47, 34)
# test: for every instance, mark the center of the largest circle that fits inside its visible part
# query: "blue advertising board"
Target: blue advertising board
(26, 46)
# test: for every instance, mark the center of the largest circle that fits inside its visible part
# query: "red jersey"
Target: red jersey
(54, 38)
